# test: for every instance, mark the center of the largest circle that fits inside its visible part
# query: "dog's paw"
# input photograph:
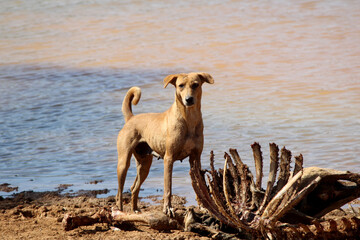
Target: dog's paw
(169, 211)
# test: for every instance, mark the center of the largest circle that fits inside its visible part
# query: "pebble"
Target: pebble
(115, 228)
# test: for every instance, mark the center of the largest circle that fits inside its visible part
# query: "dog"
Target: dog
(172, 135)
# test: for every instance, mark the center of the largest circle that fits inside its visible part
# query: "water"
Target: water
(285, 72)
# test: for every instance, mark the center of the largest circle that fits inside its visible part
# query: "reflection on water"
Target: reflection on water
(284, 71)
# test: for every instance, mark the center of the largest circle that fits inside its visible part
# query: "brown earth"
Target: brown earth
(39, 215)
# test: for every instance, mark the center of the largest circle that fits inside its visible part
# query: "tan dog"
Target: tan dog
(173, 135)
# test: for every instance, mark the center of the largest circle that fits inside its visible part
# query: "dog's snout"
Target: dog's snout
(189, 101)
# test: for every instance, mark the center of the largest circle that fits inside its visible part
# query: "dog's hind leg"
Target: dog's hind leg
(122, 168)
(143, 164)
(141, 151)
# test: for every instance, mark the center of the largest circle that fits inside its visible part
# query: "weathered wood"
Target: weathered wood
(220, 203)
(296, 199)
(335, 189)
(298, 164)
(234, 175)
(247, 186)
(273, 205)
(202, 192)
(155, 220)
(71, 222)
(284, 173)
(258, 164)
(274, 164)
(227, 189)
(215, 192)
(260, 213)
(241, 172)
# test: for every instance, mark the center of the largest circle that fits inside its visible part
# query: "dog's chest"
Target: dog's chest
(183, 138)
(189, 145)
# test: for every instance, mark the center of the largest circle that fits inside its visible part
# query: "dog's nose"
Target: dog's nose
(189, 101)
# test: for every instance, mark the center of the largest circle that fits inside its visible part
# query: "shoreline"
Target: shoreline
(39, 215)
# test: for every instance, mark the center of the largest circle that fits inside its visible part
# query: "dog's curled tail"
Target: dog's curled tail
(131, 97)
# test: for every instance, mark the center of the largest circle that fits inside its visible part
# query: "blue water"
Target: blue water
(59, 125)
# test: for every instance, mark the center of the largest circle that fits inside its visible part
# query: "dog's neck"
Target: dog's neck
(191, 115)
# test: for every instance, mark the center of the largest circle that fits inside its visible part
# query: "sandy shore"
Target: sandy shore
(39, 215)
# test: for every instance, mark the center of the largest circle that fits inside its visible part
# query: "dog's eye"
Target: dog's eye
(181, 85)
(195, 85)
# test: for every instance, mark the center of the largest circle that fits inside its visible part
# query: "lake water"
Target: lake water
(285, 72)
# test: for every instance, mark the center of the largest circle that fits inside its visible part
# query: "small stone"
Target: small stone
(115, 228)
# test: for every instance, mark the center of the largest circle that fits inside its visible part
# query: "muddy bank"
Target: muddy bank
(38, 215)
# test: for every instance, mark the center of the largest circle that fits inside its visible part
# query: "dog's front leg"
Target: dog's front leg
(168, 168)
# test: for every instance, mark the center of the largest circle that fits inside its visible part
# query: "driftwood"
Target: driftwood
(189, 220)
(155, 220)
(290, 207)
(71, 221)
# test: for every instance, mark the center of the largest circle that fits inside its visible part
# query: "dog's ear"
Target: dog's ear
(170, 79)
(205, 77)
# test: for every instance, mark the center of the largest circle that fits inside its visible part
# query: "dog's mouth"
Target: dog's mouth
(189, 101)
(189, 104)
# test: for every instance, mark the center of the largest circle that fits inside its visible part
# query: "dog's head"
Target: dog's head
(188, 86)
